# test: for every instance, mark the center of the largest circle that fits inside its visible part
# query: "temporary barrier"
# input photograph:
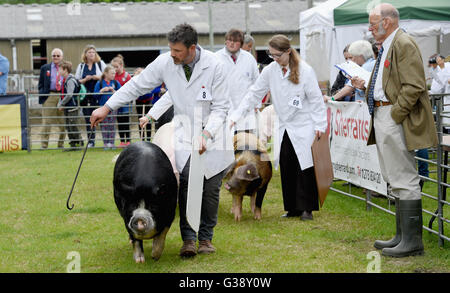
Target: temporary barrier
(13, 123)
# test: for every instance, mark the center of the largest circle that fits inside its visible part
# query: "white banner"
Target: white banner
(353, 160)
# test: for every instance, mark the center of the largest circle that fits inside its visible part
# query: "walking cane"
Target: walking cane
(79, 167)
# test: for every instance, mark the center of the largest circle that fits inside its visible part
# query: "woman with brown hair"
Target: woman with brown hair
(89, 71)
(301, 112)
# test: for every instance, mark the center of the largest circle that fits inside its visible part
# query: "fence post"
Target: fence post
(368, 200)
(439, 107)
(27, 107)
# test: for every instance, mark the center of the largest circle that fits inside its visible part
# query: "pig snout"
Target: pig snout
(141, 223)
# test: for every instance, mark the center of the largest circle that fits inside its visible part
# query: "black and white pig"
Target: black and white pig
(145, 192)
(250, 174)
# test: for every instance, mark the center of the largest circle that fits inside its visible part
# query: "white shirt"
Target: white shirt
(378, 94)
(440, 79)
(444, 77)
(300, 122)
(240, 76)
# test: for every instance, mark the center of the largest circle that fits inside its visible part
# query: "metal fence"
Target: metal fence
(49, 131)
(439, 161)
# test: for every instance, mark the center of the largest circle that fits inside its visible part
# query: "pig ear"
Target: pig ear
(229, 170)
(247, 172)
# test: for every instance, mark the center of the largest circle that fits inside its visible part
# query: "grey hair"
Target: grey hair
(248, 39)
(361, 47)
(390, 12)
(386, 10)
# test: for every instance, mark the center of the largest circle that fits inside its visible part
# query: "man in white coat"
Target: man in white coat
(241, 71)
(199, 95)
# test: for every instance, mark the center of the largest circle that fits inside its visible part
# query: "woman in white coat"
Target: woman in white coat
(301, 112)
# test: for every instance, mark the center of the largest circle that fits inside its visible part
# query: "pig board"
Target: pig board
(195, 188)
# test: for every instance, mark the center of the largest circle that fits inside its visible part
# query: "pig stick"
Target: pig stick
(143, 132)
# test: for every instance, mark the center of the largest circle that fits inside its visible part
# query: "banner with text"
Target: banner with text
(13, 123)
(353, 160)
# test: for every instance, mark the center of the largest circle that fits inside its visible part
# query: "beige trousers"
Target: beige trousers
(56, 118)
(397, 164)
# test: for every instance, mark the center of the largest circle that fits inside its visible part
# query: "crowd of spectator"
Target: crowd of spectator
(100, 81)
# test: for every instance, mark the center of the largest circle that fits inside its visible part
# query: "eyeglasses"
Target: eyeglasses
(373, 25)
(56, 55)
(274, 56)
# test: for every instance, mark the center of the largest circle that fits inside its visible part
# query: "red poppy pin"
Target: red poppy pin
(48, 73)
(387, 63)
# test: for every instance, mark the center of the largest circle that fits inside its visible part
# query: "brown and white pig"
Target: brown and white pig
(249, 174)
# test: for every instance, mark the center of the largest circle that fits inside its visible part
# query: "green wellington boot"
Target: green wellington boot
(411, 230)
(380, 244)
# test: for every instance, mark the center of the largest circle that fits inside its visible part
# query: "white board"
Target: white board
(353, 160)
(195, 187)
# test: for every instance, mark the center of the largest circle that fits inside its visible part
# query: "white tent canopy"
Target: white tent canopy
(322, 42)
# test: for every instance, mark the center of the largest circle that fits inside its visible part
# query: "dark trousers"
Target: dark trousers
(422, 167)
(298, 186)
(123, 123)
(71, 127)
(210, 206)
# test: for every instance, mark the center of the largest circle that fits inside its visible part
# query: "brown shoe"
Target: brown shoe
(188, 248)
(205, 247)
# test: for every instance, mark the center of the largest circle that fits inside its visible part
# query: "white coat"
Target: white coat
(300, 122)
(200, 103)
(240, 76)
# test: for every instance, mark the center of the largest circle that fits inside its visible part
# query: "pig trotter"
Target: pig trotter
(237, 207)
(257, 214)
(158, 244)
(138, 251)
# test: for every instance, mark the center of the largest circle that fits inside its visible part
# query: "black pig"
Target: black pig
(145, 192)
(249, 174)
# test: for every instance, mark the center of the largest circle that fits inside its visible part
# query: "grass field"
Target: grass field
(37, 232)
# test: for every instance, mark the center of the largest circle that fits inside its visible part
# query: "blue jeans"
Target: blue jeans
(421, 165)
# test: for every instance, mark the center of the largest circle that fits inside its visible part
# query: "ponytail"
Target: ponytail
(294, 66)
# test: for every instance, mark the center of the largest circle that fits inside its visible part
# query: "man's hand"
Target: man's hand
(202, 141)
(143, 121)
(99, 115)
(358, 83)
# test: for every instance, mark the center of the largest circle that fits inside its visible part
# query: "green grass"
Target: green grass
(37, 231)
